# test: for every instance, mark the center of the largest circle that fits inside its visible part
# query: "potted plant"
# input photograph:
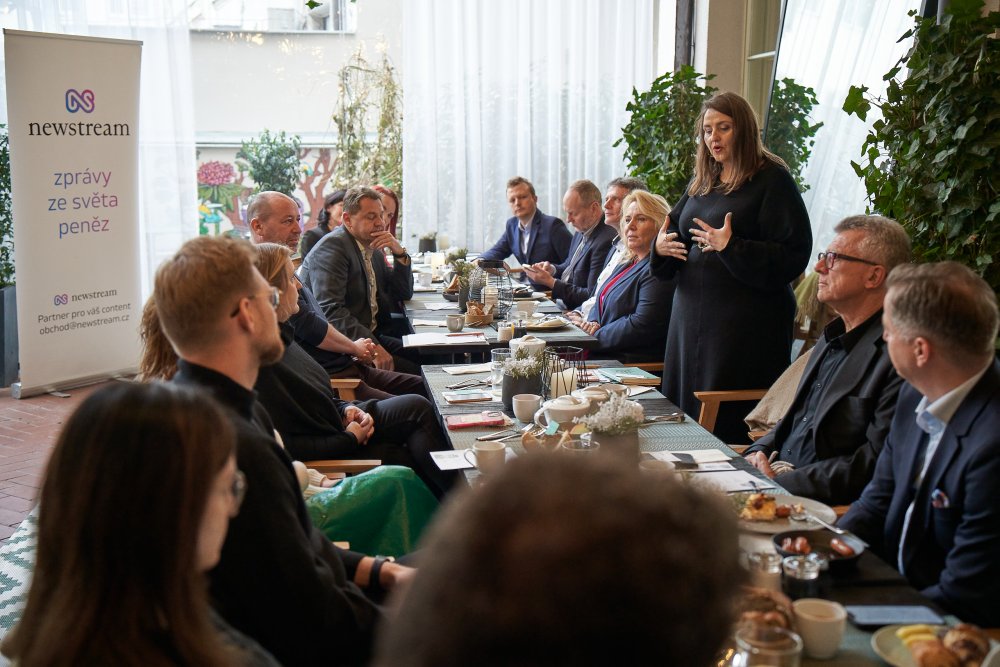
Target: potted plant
(522, 374)
(461, 272)
(428, 242)
(789, 133)
(615, 425)
(8, 302)
(930, 160)
(660, 138)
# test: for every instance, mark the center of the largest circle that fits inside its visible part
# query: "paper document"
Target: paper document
(440, 305)
(468, 370)
(732, 481)
(451, 460)
(416, 340)
(696, 455)
(417, 322)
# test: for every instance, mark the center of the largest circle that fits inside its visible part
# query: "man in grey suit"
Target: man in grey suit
(342, 271)
(826, 445)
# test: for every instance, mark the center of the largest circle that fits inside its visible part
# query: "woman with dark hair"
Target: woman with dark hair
(390, 204)
(134, 510)
(328, 218)
(735, 241)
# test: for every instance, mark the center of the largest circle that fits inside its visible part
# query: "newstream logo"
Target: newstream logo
(79, 100)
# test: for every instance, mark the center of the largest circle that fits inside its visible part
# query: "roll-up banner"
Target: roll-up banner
(73, 111)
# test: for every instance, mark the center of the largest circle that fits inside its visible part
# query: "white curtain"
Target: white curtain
(168, 191)
(497, 89)
(830, 46)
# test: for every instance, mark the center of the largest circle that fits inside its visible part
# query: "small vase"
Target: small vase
(622, 445)
(427, 245)
(513, 386)
(463, 299)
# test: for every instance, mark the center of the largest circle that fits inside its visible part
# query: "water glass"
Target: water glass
(497, 359)
(759, 645)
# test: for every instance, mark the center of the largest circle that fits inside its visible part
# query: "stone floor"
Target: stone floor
(28, 431)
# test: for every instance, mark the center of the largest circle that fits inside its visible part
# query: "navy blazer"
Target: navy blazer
(548, 241)
(850, 424)
(576, 279)
(635, 315)
(952, 552)
(333, 270)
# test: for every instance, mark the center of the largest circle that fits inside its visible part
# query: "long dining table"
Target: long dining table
(872, 582)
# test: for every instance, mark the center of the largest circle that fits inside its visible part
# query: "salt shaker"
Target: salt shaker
(801, 577)
(765, 570)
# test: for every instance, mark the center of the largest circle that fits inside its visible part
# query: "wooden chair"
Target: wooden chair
(710, 401)
(345, 388)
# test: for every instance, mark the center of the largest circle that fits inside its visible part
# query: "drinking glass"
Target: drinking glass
(497, 359)
(759, 645)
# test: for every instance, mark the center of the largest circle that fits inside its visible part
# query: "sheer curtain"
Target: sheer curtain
(830, 46)
(168, 191)
(497, 89)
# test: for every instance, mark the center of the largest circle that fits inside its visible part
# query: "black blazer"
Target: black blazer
(851, 423)
(576, 279)
(952, 552)
(333, 270)
(548, 242)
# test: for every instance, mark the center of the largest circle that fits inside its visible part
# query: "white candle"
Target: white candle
(563, 382)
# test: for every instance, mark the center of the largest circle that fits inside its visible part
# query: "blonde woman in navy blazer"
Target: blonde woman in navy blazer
(632, 308)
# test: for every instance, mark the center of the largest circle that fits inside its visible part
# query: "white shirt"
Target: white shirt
(617, 251)
(933, 419)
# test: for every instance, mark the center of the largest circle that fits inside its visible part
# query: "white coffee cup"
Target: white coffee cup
(821, 626)
(525, 406)
(455, 322)
(424, 279)
(527, 307)
(487, 456)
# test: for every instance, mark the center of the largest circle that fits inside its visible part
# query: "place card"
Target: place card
(451, 460)
(417, 322)
(440, 305)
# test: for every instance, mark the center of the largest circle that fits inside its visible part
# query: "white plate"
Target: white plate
(890, 648)
(546, 325)
(817, 508)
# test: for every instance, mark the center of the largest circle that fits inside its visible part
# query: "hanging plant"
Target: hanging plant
(660, 137)
(930, 160)
(790, 135)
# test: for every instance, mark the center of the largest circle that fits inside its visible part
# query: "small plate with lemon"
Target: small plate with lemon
(896, 644)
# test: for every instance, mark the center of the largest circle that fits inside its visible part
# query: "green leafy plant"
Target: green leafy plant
(790, 135)
(660, 137)
(369, 93)
(463, 270)
(272, 161)
(456, 254)
(6, 214)
(930, 160)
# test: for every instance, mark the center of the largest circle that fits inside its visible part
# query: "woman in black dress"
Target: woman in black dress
(735, 241)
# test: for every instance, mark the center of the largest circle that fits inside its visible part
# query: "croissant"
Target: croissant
(932, 653)
(967, 642)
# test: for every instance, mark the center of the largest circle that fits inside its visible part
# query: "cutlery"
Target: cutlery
(806, 515)
(470, 382)
(671, 418)
(497, 435)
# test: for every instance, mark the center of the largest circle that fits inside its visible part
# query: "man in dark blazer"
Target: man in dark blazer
(933, 506)
(531, 236)
(573, 280)
(826, 445)
(342, 272)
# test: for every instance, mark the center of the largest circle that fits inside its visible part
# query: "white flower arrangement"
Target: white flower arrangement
(616, 416)
(524, 364)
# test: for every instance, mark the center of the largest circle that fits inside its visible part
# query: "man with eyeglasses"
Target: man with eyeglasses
(826, 445)
(279, 580)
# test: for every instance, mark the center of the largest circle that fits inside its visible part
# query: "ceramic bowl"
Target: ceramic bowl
(595, 395)
(565, 408)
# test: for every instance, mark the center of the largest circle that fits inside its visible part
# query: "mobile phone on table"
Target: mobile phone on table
(877, 615)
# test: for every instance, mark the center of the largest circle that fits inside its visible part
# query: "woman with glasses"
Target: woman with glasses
(735, 241)
(134, 510)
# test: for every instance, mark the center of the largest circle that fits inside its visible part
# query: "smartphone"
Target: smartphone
(877, 615)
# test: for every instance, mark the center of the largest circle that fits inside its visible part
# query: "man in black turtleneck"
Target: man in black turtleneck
(279, 580)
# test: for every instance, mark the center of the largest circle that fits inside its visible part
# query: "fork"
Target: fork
(806, 515)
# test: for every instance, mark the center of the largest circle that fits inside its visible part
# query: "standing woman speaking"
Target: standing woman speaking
(735, 241)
